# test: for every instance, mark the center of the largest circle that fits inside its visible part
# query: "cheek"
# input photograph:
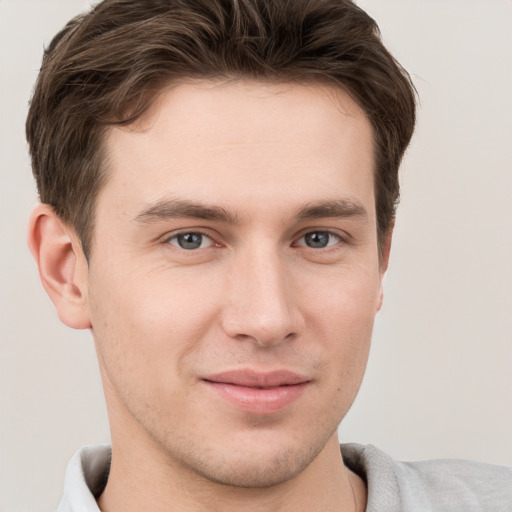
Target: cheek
(144, 325)
(348, 297)
(343, 316)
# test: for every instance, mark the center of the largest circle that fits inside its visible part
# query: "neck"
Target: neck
(140, 479)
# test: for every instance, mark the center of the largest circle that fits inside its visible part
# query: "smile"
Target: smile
(258, 393)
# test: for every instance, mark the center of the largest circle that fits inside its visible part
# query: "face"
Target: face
(235, 276)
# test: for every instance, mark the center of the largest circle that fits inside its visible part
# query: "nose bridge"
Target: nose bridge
(261, 305)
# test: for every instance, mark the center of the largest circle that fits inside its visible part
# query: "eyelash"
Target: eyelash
(175, 237)
(337, 239)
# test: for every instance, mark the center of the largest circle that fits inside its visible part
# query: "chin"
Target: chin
(250, 470)
(256, 462)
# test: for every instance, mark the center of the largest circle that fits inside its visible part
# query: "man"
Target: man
(218, 182)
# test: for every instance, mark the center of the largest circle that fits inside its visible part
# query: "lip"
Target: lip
(258, 392)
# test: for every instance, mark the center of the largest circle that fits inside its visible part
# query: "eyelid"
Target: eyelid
(206, 241)
(341, 237)
(166, 239)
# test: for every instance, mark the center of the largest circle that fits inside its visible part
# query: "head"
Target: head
(106, 68)
(221, 180)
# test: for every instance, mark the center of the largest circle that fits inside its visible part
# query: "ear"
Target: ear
(62, 265)
(384, 260)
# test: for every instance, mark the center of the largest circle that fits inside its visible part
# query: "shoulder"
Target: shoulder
(435, 485)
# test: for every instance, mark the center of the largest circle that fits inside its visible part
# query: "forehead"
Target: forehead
(211, 138)
(212, 109)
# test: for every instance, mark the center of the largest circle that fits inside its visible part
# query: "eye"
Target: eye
(318, 239)
(191, 241)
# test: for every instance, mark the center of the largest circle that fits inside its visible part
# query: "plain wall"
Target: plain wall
(439, 379)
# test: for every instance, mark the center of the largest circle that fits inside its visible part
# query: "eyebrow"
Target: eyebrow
(176, 208)
(180, 208)
(338, 208)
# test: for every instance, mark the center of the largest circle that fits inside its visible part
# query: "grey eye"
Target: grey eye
(190, 241)
(319, 239)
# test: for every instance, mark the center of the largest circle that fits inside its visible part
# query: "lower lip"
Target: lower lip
(258, 400)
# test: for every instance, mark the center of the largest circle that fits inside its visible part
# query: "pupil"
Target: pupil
(317, 239)
(190, 240)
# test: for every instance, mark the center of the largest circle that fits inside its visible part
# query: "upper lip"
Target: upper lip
(255, 379)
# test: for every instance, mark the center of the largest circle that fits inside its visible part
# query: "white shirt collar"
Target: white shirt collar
(86, 476)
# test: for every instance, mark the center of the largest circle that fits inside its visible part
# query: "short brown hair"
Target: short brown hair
(105, 67)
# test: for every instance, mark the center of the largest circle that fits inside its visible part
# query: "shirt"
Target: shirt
(425, 486)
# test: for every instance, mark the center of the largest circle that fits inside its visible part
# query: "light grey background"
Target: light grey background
(439, 379)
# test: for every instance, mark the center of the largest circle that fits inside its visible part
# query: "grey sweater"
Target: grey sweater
(429, 486)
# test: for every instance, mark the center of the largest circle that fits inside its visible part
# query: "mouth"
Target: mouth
(258, 392)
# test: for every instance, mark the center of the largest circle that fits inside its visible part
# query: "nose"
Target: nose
(261, 305)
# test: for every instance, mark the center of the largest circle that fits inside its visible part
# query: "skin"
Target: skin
(278, 162)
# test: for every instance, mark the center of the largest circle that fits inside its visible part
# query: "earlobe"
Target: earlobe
(62, 265)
